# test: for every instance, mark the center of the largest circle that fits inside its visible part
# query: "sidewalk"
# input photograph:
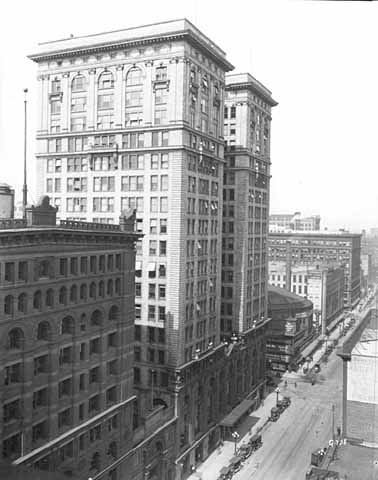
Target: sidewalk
(209, 470)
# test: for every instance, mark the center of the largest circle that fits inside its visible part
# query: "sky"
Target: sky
(319, 59)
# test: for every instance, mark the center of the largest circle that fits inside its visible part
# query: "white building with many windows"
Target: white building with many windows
(134, 119)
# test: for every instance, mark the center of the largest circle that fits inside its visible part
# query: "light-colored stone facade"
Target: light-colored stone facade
(324, 286)
(134, 119)
(326, 248)
(245, 203)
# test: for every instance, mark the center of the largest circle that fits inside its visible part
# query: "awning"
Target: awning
(237, 413)
(138, 265)
(152, 267)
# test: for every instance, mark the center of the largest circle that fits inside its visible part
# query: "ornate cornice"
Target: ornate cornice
(187, 35)
(254, 89)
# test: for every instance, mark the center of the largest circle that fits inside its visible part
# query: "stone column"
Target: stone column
(40, 104)
(45, 103)
(66, 103)
(118, 98)
(148, 95)
(91, 111)
(173, 103)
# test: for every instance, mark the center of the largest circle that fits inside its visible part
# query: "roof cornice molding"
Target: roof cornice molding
(135, 42)
(252, 88)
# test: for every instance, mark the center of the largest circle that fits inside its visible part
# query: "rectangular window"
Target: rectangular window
(103, 184)
(78, 104)
(76, 184)
(163, 225)
(105, 101)
(40, 398)
(41, 364)
(77, 124)
(160, 116)
(64, 418)
(163, 204)
(39, 431)
(94, 404)
(151, 312)
(78, 164)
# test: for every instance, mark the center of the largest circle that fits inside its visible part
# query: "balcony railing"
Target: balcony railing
(12, 223)
(89, 225)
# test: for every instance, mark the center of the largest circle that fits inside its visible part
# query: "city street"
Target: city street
(304, 427)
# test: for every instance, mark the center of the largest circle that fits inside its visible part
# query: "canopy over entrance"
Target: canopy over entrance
(235, 415)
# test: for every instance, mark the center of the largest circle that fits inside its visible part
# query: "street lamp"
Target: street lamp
(277, 390)
(235, 436)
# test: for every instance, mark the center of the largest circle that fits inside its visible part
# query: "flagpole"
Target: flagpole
(25, 188)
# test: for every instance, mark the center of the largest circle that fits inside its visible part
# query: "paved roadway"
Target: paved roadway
(303, 428)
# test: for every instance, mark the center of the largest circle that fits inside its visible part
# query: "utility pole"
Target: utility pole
(25, 188)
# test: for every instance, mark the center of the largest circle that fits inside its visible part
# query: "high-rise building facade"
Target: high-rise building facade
(133, 119)
(67, 300)
(247, 125)
(281, 221)
(325, 248)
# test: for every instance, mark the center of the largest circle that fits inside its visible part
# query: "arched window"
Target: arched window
(50, 297)
(95, 462)
(110, 287)
(16, 338)
(67, 326)
(92, 290)
(8, 305)
(96, 318)
(43, 332)
(22, 303)
(134, 77)
(63, 296)
(113, 313)
(106, 80)
(112, 450)
(101, 289)
(37, 300)
(78, 83)
(83, 291)
(118, 286)
(73, 294)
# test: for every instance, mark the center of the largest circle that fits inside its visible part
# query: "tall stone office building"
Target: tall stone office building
(134, 119)
(247, 119)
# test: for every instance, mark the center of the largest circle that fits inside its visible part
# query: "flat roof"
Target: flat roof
(245, 81)
(314, 233)
(128, 37)
(356, 462)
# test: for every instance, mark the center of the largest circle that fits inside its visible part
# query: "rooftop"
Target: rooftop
(314, 233)
(131, 37)
(248, 82)
(356, 462)
(279, 298)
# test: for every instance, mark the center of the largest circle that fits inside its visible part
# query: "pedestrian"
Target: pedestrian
(338, 431)
(295, 384)
(285, 383)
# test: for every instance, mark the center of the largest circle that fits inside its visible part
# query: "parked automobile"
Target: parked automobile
(236, 464)
(255, 442)
(274, 414)
(286, 401)
(225, 473)
(244, 451)
(281, 405)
